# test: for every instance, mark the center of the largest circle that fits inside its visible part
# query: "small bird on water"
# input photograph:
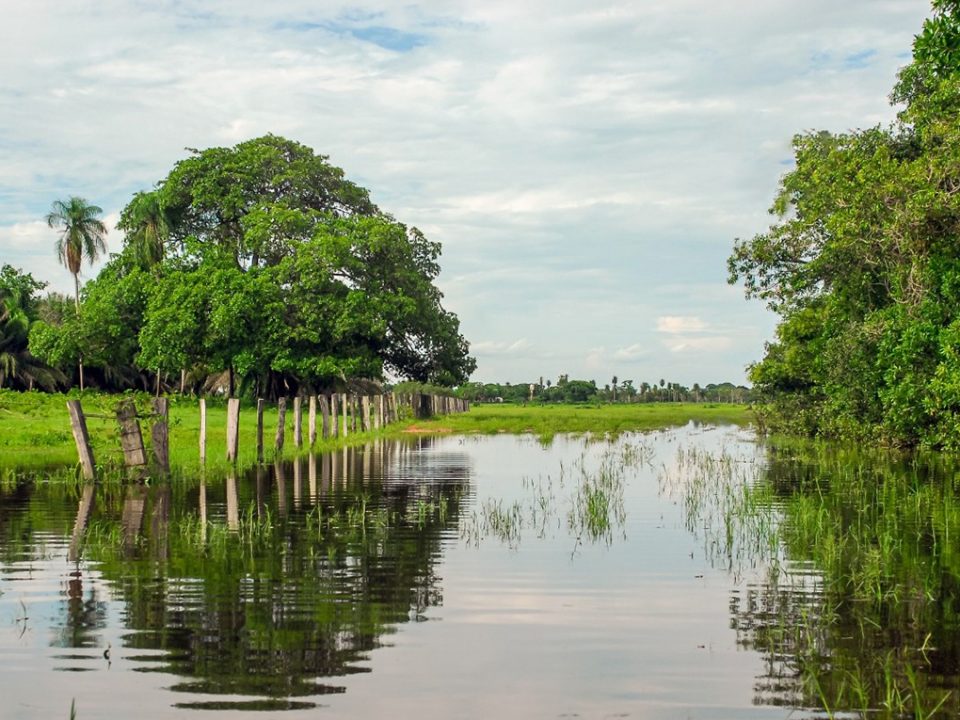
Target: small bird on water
(106, 653)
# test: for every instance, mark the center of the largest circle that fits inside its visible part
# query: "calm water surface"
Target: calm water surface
(438, 578)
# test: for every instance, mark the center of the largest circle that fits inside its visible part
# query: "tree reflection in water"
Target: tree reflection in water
(256, 587)
(857, 610)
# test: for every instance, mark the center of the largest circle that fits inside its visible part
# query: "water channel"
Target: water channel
(689, 573)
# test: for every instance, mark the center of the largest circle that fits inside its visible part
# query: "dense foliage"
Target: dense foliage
(19, 308)
(863, 266)
(263, 261)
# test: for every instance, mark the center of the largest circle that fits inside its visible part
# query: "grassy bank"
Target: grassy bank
(546, 421)
(35, 430)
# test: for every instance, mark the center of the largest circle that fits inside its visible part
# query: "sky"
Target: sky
(585, 164)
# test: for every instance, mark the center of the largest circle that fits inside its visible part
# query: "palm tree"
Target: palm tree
(147, 225)
(82, 236)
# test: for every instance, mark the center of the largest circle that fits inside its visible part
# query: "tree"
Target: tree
(266, 262)
(82, 235)
(863, 266)
(18, 367)
(258, 198)
(148, 226)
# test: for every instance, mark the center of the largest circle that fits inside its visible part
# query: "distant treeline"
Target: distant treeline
(565, 390)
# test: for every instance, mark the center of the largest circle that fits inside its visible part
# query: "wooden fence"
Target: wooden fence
(336, 415)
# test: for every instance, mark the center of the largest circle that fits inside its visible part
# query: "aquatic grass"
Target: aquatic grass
(589, 495)
(858, 597)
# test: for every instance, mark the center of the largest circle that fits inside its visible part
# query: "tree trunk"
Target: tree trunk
(76, 295)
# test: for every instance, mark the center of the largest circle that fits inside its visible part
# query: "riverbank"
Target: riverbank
(35, 429)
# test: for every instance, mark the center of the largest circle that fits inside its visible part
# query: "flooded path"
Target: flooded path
(453, 577)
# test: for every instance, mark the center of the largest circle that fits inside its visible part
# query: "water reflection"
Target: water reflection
(686, 573)
(252, 592)
(855, 611)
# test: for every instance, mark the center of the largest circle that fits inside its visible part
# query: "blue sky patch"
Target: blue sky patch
(380, 35)
(859, 60)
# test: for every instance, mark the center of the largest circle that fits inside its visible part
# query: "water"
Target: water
(451, 577)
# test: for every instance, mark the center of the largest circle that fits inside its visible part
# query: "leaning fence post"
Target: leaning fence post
(159, 434)
(131, 440)
(233, 428)
(78, 423)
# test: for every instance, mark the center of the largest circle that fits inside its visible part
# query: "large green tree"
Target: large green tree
(266, 262)
(863, 266)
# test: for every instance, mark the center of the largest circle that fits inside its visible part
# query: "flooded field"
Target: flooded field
(692, 573)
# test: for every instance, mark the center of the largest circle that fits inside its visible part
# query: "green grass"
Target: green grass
(35, 428)
(546, 421)
(35, 431)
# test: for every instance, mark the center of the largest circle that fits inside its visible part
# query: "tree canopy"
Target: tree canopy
(264, 260)
(18, 309)
(863, 266)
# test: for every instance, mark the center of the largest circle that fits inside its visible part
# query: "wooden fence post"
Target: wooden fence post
(345, 402)
(324, 417)
(312, 421)
(354, 412)
(260, 405)
(159, 434)
(335, 414)
(131, 440)
(378, 412)
(365, 413)
(203, 431)
(298, 422)
(281, 423)
(233, 428)
(78, 423)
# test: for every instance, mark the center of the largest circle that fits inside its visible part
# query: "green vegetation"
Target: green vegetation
(546, 421)
(863, 266)
(260, 262)
(566, 391)
(858, 608)
(18, 308)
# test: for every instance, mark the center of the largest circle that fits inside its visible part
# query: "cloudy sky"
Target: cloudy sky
(586, 164)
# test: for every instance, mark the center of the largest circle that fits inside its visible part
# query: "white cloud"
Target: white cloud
(490, 347)
(25, 235)
(677, 324)
(716, 343)
(633, 352)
